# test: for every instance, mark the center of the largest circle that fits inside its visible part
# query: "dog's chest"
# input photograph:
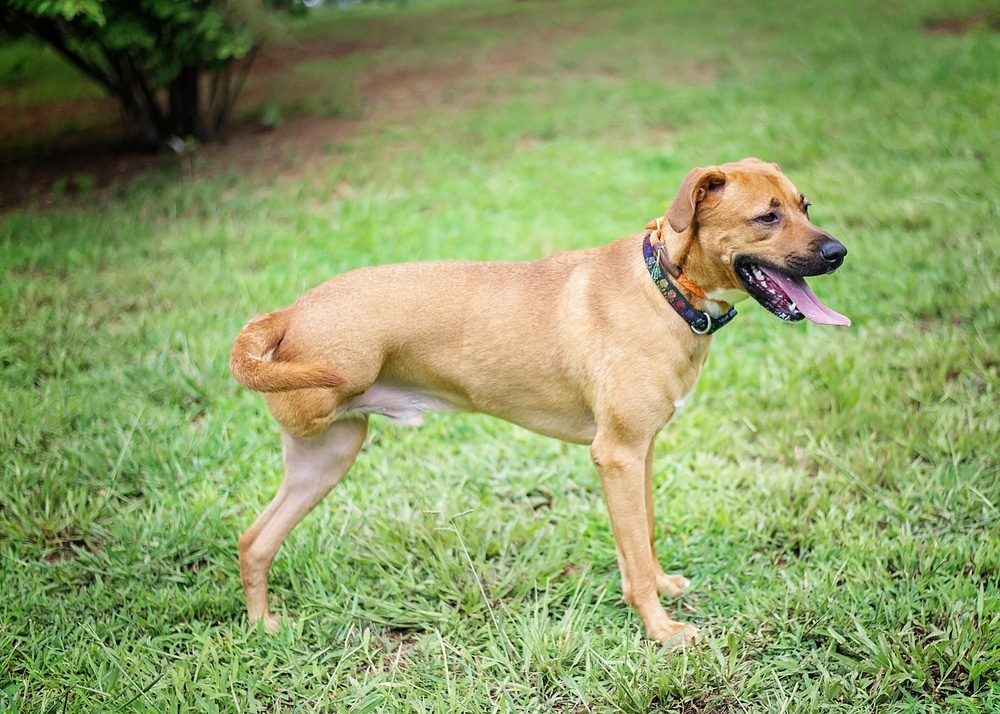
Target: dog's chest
(686, 371)
(679, 403)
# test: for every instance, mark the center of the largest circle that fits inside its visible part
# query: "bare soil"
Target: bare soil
(982, 19)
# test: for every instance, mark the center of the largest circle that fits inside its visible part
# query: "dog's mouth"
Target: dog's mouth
(789, 297)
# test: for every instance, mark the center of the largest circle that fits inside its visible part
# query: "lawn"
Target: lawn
(832, 493)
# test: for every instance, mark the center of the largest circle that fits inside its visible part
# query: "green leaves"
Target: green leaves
(167, 34)
(91, 10)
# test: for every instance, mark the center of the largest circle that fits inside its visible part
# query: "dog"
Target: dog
(599, 347)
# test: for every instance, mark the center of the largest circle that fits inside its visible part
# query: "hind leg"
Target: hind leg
(313, 466)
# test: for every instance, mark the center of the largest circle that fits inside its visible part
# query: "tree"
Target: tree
(169, 62)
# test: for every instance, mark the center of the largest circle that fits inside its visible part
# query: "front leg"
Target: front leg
(621, 463)
(675, 584)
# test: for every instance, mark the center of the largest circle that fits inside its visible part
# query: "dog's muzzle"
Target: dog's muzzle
(786, 294)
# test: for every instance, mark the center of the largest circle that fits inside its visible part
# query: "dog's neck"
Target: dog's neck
(672, 250)
(701, 320)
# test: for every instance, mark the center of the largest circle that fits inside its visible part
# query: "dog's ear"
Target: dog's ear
(699, 184)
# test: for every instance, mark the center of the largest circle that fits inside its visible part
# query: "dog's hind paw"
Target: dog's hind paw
(673, 585)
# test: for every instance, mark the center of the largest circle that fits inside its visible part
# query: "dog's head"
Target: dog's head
(746, 231)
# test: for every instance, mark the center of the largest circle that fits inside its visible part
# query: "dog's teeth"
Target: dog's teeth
(759, 275)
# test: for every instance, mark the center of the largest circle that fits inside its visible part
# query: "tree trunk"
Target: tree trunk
(185, 105)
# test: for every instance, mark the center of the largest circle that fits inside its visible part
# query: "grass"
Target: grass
(833, 493)
(23, 67)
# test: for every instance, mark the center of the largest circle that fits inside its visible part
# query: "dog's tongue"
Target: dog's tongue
(805, 300)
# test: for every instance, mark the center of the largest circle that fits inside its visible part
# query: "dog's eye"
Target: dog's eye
(768, 218)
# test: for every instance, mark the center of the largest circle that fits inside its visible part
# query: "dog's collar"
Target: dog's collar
(701, 323)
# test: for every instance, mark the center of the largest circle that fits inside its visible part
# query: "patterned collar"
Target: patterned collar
(701, 322)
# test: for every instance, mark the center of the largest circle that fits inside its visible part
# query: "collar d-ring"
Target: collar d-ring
(708, 326)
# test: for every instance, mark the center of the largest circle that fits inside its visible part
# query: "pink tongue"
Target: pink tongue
(799, 292)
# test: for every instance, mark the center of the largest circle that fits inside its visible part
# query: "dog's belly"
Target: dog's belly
(407, 405)
(578, 428)
(401, 403)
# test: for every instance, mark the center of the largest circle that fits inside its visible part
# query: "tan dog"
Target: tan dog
(581, 346)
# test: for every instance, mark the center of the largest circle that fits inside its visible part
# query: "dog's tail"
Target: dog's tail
(252, 363)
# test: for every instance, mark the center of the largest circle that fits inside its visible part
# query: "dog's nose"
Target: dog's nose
(833, 252)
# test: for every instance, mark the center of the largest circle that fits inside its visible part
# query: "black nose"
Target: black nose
(833, 252)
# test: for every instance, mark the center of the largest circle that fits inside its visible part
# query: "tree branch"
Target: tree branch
(231, 96)
(49, 31)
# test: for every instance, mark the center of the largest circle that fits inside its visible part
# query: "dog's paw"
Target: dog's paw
(673, 585)
(272, 623)
(674, 635)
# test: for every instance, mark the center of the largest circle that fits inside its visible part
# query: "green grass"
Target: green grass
(833, 493)
(32, 75)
